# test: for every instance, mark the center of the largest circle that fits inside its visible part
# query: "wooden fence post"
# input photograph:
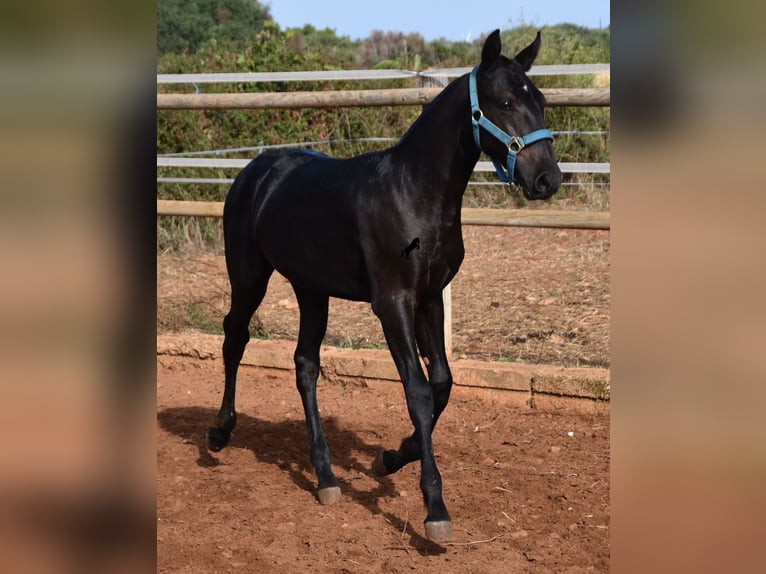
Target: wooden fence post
(447, 300)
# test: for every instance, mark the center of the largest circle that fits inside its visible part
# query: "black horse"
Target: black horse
(382, 227)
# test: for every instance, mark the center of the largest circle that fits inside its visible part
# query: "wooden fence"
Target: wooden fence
(371, 98)
(355, 99)
(470, 215)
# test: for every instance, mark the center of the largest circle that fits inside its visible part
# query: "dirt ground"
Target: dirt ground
(522, 294)
(528, 490)
(525, 496)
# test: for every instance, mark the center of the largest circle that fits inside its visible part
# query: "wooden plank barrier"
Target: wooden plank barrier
(470, 215)
(355, 98)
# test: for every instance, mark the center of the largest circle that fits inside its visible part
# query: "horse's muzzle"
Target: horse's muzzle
(546, 184)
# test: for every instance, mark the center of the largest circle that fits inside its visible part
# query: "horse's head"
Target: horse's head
(502, 96)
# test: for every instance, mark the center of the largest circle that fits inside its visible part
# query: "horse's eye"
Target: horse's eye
(504, 105)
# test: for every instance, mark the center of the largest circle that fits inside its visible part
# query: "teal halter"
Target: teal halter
(514, 143)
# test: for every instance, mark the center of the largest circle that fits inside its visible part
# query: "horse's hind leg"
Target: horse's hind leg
(246, 295)
(429, 331)
(313, 324)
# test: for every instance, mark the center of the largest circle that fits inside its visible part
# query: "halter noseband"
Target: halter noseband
(514, 143)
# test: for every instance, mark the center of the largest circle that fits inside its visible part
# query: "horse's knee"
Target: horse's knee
(421, 406)
(419, 395)
(236, 334)
(441, 387)
(234, 324)
(306, 364)
(306, 371)
(439, 372)
(440, 375)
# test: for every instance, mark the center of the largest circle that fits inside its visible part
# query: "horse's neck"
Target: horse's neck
(439, 146)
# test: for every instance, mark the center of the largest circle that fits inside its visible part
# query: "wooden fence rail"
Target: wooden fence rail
(375, 74)
(355, 99)
(470, 215)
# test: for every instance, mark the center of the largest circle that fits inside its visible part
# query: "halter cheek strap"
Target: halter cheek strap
(514, 143)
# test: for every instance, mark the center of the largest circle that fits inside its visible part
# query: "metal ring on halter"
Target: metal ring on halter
(515, 142)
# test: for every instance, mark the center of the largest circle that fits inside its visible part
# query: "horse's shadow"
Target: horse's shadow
(285, 445)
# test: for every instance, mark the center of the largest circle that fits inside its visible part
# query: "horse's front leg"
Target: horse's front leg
(429, 331)
(397, 316)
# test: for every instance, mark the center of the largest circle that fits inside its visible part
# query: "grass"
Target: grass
(353, 343)
(197, 316)
(194, 315)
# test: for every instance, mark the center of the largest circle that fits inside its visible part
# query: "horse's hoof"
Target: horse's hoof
(441, 530)
(329, 495)
(378, 467)
(217, 438)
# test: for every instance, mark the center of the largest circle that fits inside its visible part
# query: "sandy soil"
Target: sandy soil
(528, 490)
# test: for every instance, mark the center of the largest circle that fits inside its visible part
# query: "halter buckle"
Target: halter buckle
(515, 145)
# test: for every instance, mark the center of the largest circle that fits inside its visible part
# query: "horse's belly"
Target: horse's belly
(328, 276)
(320, 260)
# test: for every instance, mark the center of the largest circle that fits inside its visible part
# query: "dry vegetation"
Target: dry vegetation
(531, 295)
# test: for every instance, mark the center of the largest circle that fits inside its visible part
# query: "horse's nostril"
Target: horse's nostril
(543, 182)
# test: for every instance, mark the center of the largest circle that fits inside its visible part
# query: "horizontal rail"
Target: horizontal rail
(303, 76)
(535, 218)
(218, 152)
(470, 216)
(482, 166)
(190, 208)
(347, 75)
(541, 70)
(230, 180)
(355, 98)
(205, 180)
(217, 162)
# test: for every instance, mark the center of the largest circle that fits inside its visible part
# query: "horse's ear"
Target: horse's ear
(492, 48)
(528, 54)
